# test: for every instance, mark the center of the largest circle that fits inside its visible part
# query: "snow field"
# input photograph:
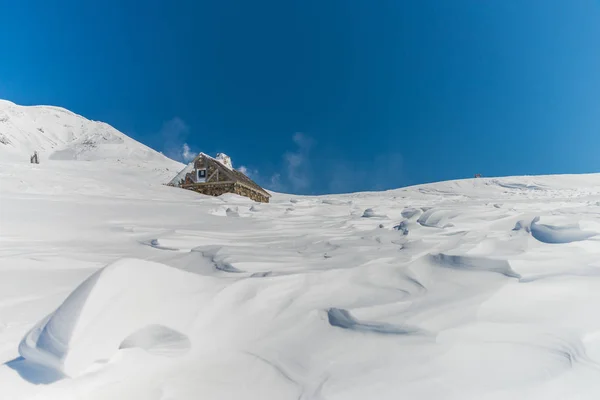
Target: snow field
(113, 285)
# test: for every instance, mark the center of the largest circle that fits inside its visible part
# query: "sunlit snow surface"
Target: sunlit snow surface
(454, 290)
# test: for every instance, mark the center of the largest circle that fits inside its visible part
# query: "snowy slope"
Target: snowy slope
(181, 174)
(59, 134)
(113, 286)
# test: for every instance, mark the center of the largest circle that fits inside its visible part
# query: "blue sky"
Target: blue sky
(325, 96)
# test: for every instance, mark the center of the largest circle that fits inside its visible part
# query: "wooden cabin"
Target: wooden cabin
(216, 176)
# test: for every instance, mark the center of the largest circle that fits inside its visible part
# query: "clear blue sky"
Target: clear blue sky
(325, 96)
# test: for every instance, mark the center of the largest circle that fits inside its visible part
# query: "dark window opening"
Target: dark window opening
(201, 173)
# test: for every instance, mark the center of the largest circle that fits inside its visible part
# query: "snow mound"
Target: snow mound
(235, 198)
(437, 218)
(556, 234)
(158, 339)
(372, 213)
(411, 212)
(130, 303)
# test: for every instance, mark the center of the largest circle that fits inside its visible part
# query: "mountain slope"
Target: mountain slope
(58, 134)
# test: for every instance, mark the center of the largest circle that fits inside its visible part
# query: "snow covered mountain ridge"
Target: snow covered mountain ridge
(59, 134)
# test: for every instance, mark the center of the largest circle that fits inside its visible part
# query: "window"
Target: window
(201, 174)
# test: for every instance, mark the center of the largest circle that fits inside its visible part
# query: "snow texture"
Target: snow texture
(180, 177)
(116, 286)
(58, 134)
(105, 309)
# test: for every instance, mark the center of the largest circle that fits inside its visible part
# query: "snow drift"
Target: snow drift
(559, 233)
(130, 303)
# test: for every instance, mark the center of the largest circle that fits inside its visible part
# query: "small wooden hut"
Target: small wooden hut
(216, 176)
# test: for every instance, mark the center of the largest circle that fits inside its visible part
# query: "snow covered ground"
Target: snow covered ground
(59, 134)
(114, 286)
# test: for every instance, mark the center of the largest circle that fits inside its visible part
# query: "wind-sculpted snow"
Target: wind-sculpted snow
(372, 213)
(118, 287)
(158, 339)
(343, 319)
(475, 264)
(437, 218)
(100, 315)
(410, 212)
(559, 234)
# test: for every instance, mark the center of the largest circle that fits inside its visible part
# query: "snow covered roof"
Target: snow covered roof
(221, 158)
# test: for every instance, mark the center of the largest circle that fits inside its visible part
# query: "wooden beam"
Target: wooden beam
(213, 174)
(209, 183)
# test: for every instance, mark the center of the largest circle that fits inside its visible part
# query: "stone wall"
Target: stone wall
(210, 170)
(252, 194)
(223, 176)
(219, 177)
(217, 189)
(213, 189)
(200, 163)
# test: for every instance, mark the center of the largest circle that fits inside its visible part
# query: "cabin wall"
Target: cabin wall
(220, 177)
(211, 167)
(254, 195)
(200, 163)
(210, 170)
(223, 177)
(213, 189)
